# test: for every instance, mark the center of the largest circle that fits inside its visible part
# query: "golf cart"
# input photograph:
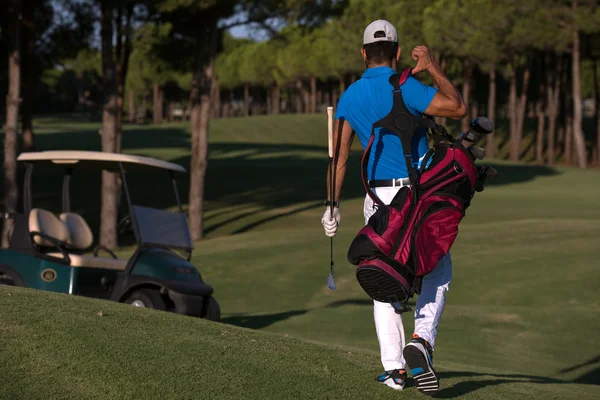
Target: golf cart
(56, 253)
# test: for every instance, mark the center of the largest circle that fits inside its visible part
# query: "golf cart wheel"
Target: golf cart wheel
(213, 311)
(147, 298)
(6, 280)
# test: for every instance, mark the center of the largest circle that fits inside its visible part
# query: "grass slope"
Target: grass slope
(56, 347)
(520, 321)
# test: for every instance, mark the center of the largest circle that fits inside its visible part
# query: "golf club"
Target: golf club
(485, 173)
(477, 152)
(477, 127)
(331, 278)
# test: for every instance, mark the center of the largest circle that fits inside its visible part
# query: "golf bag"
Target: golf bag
(403, 241)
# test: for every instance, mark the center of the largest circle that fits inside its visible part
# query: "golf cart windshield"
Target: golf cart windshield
(162, 228)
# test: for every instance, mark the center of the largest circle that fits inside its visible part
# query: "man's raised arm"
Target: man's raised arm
(447, 102)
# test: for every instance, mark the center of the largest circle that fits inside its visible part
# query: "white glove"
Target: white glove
(331, 224)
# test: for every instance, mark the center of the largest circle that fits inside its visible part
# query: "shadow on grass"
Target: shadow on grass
(468, 386)
(589, 378)
(277, 180)
(258, 321)
(261, 321)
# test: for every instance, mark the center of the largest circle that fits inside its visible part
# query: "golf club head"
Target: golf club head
(331, 282)
(486, 173)
(482, 125)
(477, 152)
(490, 173)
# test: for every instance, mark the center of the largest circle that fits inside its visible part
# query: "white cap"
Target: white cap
(390, 34)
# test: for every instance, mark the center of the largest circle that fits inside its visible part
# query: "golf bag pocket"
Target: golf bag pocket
(434, 234)
(378, 236)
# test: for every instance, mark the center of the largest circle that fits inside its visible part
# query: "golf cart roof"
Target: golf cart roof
(97, 160)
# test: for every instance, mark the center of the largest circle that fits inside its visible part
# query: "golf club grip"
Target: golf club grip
(330, 129)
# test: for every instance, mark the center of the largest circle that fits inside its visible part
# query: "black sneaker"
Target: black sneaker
(396, 379)
(419, 357)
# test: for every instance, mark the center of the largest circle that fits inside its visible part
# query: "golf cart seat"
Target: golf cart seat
(47, 230)
(81, 238)
(80, 234)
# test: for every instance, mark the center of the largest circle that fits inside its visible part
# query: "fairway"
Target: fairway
(521, 319)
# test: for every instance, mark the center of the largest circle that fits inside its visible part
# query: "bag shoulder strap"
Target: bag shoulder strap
(402, 123)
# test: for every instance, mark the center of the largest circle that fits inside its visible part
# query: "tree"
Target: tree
(568, 19)
(122, 53)
(108, 212)
(197, 32)
(27, 54)
(11, 192)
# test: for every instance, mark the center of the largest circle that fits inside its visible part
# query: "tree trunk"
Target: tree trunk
(466, 91)
(11, 192)
(319, 98)
(568, 150)
(123, 51)
(131, 104)
(596, 113)
(277, 99)
(342, 85)
(512, 113)
(144, 109)
(313, 94)
(216, 100)
(515, 140)
(108, 212)
(299, 96)
(490, 148)
(552, 99)
(155, 103)
(539, 141)
(118, 76)
(162, 104)
(578, 138)
(269, 100)
(246, 99)
(474, 108)
(334, 102)
(305, 94)
(443, 62)
(27, 49)
(200, 96)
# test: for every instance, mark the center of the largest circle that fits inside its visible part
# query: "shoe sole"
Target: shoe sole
(422, 371)
(392, 385)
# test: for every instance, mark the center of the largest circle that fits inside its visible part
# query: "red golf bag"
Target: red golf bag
(403, 241)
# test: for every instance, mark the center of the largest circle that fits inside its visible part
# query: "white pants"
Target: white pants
(429, 306)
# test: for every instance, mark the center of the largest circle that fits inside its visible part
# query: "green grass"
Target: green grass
(521, 319)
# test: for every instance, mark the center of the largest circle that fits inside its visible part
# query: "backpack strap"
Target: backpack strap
(402, 123)
(403, 77)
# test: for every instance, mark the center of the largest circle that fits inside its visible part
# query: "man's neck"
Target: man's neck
(389, 65)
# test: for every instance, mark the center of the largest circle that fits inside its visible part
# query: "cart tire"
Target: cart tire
(147, 298)
(7, 282)
(8, 279)
(213, 312)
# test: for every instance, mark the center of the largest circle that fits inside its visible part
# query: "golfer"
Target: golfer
(364, 102)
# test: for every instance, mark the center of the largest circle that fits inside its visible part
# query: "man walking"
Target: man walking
(364, 102)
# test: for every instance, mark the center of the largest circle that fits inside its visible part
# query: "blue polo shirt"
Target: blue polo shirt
(368, 100)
